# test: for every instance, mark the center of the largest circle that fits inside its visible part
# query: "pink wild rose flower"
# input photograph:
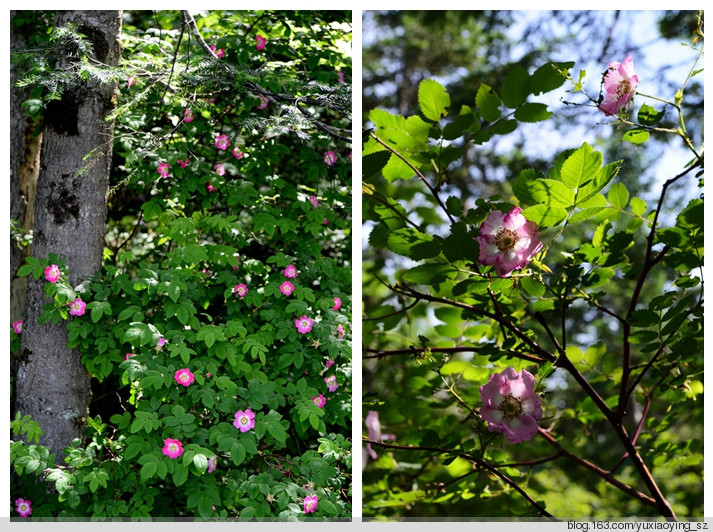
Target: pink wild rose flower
(619, 85)
(287, 288)
(332, 384)
(508, 241)
(218, 53)
(52, 273)
(340, 331)
(304, 324)
(220, 169)
(244, 420)
(188, 115)
(510, 405)
(172, 448)
(311, 502)
(127, 356)
(212, 463)
(76, 307)
(23, 507)
(17, 327)
(237, 153)
(163, 169)
(265, 102)
(241, 290)
(329, 363)
(183, 164)
(184, 377)
(313, 200)
(337, 303)
(330, 158)
(319, 400)
(260, 42)
(291, 272)
(222, 142)
(210, 188)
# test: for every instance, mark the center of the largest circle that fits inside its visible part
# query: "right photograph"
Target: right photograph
(532, 243)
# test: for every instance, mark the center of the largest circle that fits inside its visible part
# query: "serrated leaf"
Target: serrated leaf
(429, 273)
(532, 286)
(411, 243)
(433, 99)
(549, 77)
(520, 186)
(458, 127)
(649, 116)
(545, 215)
(605, 175)
(488, 103)
(618, 196)
(396, 168)
(374, 162)
(550, 192)
(636, 136)
(532, 112)
(581, 167)
(515, 87)
(237, 453)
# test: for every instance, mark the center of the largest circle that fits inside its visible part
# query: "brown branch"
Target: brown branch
(648, 264)
(380, 353)
(598, 470)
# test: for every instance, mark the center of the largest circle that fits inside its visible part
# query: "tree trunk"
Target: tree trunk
(70, 214)
(24, 166)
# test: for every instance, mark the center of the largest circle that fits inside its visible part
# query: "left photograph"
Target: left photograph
(181, 270)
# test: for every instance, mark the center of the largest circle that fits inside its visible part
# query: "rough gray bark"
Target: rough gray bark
(24, 166)
(70, 213)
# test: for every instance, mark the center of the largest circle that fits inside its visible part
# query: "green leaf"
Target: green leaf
(520, 185)
(515, 87)
(459, 245)
(429, 273)
(411, 243)
(549, 77)
(532, 286)
(605, 175)
(618, 196)
(458, 127)
(488, 103)
(644, 318)
(581, 167)
(180, 474)
(433, 99)
(636, 136)
(550, 192)
(649, 116)
(374, 162)
(148, 470)
(237, 453)
(396, 168)
(277, 431)
(533, 112)
(691, 217)
(545, 215)
(594, 354)
(25, 269)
